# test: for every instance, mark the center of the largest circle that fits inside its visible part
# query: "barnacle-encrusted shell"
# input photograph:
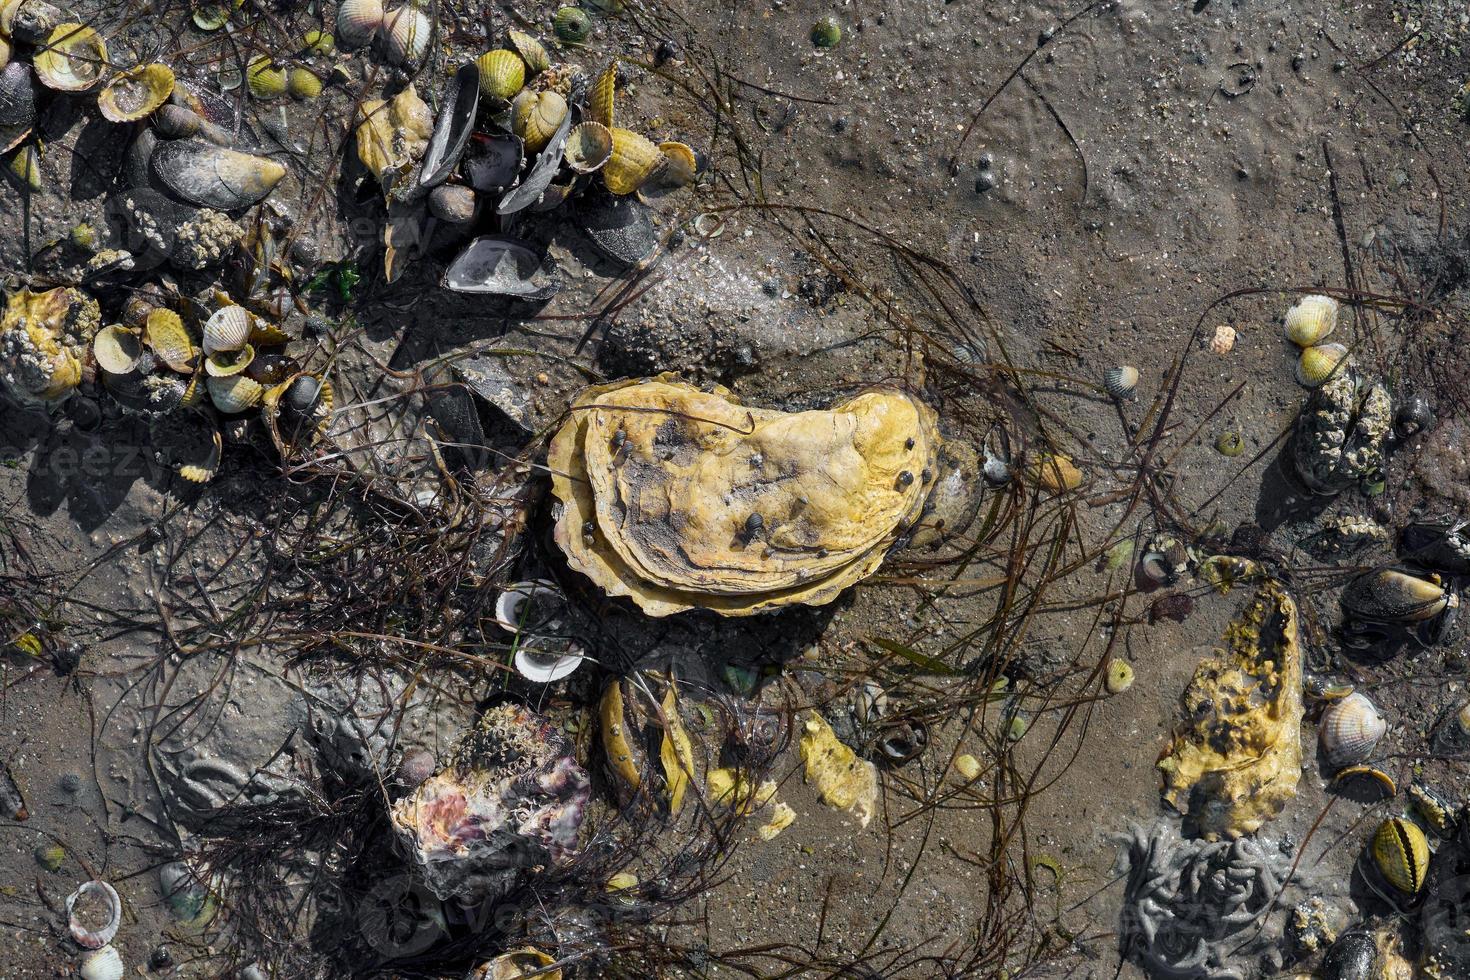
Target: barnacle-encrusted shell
(535, 117)
(1340, 433)
(1401, 852)
(1235, 762)
(392, 135)
(671, 494)
(117, 349)
(94, 913)
(589, 146)
(502, 74)
(1389, 595)
(1351, 729)
(357, 22)
(198, 459)
(130, 95)
(204, 240)
(1442, 545)
(228, 328)
(1318, 364)
(234, 393)
(74, 58)
(532, 51)
(215, 176)
(1311, 320)
(635, 160)
(1120, 381)
(41, 335)
(601, 97)
(406, 33)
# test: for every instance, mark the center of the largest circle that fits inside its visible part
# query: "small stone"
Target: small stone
(71, 783)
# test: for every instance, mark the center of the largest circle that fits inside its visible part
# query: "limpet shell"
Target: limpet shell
(1319, 363)
(133, 94)
(74, 58)
(589, 146)
(406, 34)
(1120, 381)
(532, 51)
(102, 964)
(502, 74)
(117, 349)
(1311, 320)
(1351, 729)
(536, 116)
(228, 328)
(635, 159)
(1401, 852)
(94, 913)
(235, 393)
(224, 363)
(357, 22)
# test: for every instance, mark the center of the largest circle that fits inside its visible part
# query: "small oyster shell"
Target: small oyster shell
(1351, 729)
(214, 176)
(683, 163)
(94, 913)
(358, 22)
(500, 266)
(74, 59)
(130, 95)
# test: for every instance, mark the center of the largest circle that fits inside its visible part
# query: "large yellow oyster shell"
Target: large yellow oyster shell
(1236, 763)
(663, 485)
(393, 135)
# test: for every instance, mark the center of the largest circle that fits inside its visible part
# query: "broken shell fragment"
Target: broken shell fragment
(133, 94)
(228, 328)
(406, 33)
(74, 58)
(502, 74)
(205, 452)
(26, 168)
(357, 22)
(536, 116)
(1351, 729)
(214, 176)
(602, 96)
(1401, 852)
(842, 779)
(635, 160)
(1317, 364)
(1120, 381)
(102, 964)
(94, 913)
(492, 162)
(589, 146)
(500, 266)
(1311, 320)
(682, 163)
(621, 228)
(1374, 779)
(117, 349)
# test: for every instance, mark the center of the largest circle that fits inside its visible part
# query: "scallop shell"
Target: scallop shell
(117, 349)
(17, 105)
(589, 146)
(635, 160)
(1401, 852)
(532, 51)
(133, 94)
(536, 116)
(572, 25)
(683, 163)
(235, 393)
(1120, 381)
(102, 964)
(74, 59)
(86, 934)
(357, 22)
(406, 34)
(215, 176)
(1311, 320)
(1319, 363)
(228, 328)
(502, 74)
(601, 97)
(265, 78)
(225, 363)
(1351, 729)
(303, 84)
(1388, 595)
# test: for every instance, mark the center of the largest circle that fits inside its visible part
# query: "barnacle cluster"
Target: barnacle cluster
(1341, 431)
(1235, 761)
(205, 240)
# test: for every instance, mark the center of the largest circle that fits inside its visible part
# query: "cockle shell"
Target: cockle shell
(1120, 381)
(17, 105)
(635, 160)
(589, 146)
(1388, 595)
(683, 163)
(406, 33)
(265, 78)
(215, 176)
(228, 328)
(102, 964)
(303, 84)
(1401, 852)
(502, 74)
(524, 962)
(94, 913)
(224, 363)
(117, 349)
(536, 116)
(1351, 729)
(74, 59)
(235, 393)
(532, 51)
(1311, 320)
(130, 95)
(601, 97)
(1319, 363)
(358, 22)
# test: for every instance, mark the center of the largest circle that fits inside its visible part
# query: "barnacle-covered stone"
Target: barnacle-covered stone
(682, 498)
(510, 799)
(1235, 761)
(41, 338)
(1340, 433)
(204, 240)
(393, 135)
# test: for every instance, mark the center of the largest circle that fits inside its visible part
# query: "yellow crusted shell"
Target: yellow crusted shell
(635, 159)
(535, 117)
(73, 60)
(1311, 320)
(228, 328)
(165, 335)
(133, 94)
(1401, 852)
(234, 393)
(266, 79)
(224, 363)
(116, 349)
(502, 74)
(600, 97)
(1319, 363)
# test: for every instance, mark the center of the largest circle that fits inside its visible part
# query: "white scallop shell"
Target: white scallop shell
(539, 665)
(357, 22)
(101, 936)
(102, 964)
(406, 32)
(228, 328)
(1351, 730)
(1311, 320)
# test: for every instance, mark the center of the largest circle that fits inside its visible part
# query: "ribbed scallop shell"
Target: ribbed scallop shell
(102, 964)
(589, 147)
(357, 22)
(532, 51)
(1311, 320)
(406, 33)
(535, 117)
(235, 393)
(683, 163)
(1401, 852)
(1120, 381)
(1351, 730)
(303, 84)
(87, 933)
(117, 349)
(133, 94)
(1388, 595)
(228, 328)
(1319, 363)
(502, 74)
(74, 59)
(601, 97)
(165, 335)
(193, 391)
(635, 160)
(266, 79)
(225, 363)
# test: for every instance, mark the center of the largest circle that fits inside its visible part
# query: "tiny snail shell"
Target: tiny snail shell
(1436, 810)
(572, 25)
(1351, 729)
(1401, 852)
(1311, 320)
(1120, 381)
(102, 964)
(1119, 677)
(1319, 363)
(82, 912)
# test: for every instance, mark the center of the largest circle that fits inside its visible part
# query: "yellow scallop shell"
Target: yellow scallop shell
(600, 97)
(133, 94)
(74, 58)
(532, 51)
(1318, 364)
(266, 79)
(116, 349)
(193, 392)
(1401, 852)
(502, 74)
(535, 117)
(234, 393)
(1311, 320)
(635, 160)
(165, 335)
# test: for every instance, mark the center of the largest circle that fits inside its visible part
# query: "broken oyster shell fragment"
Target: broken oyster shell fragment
(214, 176)
(670, 494)
(94, 913)
(393, 135)
(42, 337)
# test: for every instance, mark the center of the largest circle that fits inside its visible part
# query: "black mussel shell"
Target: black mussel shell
(453, 408)
(1392, 595)
(452, 129)
(493, 162)
(1413, 417)
(1441, 545)
(1445, 915)
(548, 162)
(1352, 957)
(499, 266)
(618, 227)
